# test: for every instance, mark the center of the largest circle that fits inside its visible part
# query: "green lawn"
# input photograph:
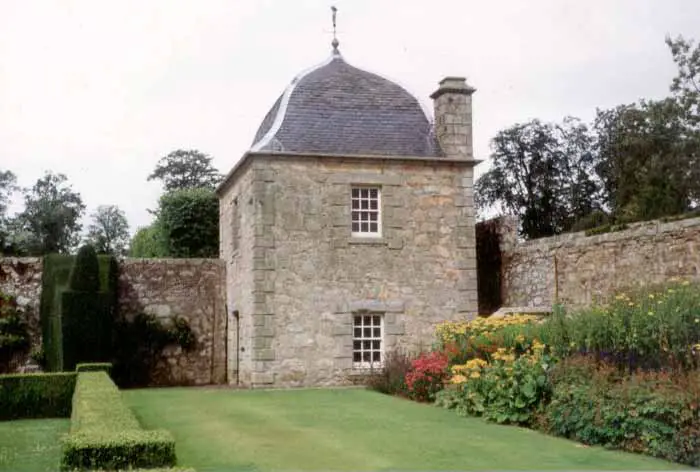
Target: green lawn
(218, 429)
(31, 445)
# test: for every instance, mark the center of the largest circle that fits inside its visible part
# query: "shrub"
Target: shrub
(139, 346)
(655, 413)
(106, 435)
(651, 329)
(36, 395)
(427, 376)
(391, 379)
(509, 389)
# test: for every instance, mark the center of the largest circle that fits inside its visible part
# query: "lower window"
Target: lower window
(367, 343)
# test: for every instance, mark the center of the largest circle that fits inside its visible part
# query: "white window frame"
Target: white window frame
(367, 344)
(368, 211)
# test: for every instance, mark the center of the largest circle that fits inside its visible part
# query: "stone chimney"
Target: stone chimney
(453, 117)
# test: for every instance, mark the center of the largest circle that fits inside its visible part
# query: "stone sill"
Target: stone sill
(368, 241)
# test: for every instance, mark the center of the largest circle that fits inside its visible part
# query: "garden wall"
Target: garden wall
(21, 278)
(577, 270)
(167, 288)
(189, 288)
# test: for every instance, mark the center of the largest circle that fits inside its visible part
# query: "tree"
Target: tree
(543, 173)
(8, 185)
(189, 223)
(648, 160)
(686, 85)
(183, 169)
(148, 242)
(109, 231)
(51, 217)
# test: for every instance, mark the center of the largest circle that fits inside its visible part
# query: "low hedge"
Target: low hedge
(94, 367)
(36, 395)
(106, 435)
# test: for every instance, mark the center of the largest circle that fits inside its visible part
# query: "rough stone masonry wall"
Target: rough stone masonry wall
(237, 235)
(577, 270)
(310, 276)
(189, 288)
(21, 278)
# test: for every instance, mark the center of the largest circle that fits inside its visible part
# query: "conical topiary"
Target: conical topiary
(85, 275)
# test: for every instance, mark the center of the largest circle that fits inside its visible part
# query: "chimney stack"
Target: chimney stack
(453, 117)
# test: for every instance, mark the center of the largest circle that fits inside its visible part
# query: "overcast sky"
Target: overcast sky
(99, 90)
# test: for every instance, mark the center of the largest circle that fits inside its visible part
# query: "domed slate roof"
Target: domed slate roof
(336, 108)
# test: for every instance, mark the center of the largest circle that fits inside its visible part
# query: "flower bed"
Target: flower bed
(524, 370)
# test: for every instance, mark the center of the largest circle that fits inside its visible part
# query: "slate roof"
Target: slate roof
(336, 108)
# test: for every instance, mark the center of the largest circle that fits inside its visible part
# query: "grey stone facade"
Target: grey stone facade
(299, 276)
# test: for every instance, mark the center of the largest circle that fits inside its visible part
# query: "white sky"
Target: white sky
(99, 90)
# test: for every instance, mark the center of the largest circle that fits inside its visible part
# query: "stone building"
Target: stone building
(347, 229)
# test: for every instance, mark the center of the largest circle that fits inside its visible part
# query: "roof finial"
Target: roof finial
(335, 43)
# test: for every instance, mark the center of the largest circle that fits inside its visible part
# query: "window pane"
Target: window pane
(375, 320)
(373, 193)
(373, 204)
(357, 320)
(376, 356)
(355, 227)
(367, 332)
(364, 204)
(377, 333)
(364, 216)
(366, 357)
(373, 228)
(358, 332)
(364, 193)
(372, 217)
(355, 204)
(356, 193)
(367, 345)
(357, 357)
(368, 320)
(376, 345)
(364, 227)
(357, 345)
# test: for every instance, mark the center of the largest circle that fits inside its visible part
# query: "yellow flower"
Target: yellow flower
(651, 295)
(670, 290)
(475, 375)
(458, 379)
(650, 313)
(631, 304)
(520, 338)
(685, 283)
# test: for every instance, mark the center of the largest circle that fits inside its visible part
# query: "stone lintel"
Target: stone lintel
(393, 306)
(357, 178)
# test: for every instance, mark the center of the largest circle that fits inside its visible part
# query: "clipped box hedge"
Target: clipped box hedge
(94, 367)
(106, 435)
(36, 395)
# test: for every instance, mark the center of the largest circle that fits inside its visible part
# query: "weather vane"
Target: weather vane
(335, 42)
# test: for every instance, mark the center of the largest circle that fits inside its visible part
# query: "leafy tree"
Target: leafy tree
(543, 173)
(189, 221)
(8, 184)
(686, 85)
(148, 242)
(51, 217)
(109, 231)
(648, 160)
(183, 169)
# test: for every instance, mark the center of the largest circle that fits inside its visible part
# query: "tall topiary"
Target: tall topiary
(85, 275)
(87, 313)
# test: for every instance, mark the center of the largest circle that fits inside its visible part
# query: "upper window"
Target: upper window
(366, 211)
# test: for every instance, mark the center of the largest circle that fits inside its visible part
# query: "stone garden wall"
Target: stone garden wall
(577, 270)
(21, 278)
(192, 289)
